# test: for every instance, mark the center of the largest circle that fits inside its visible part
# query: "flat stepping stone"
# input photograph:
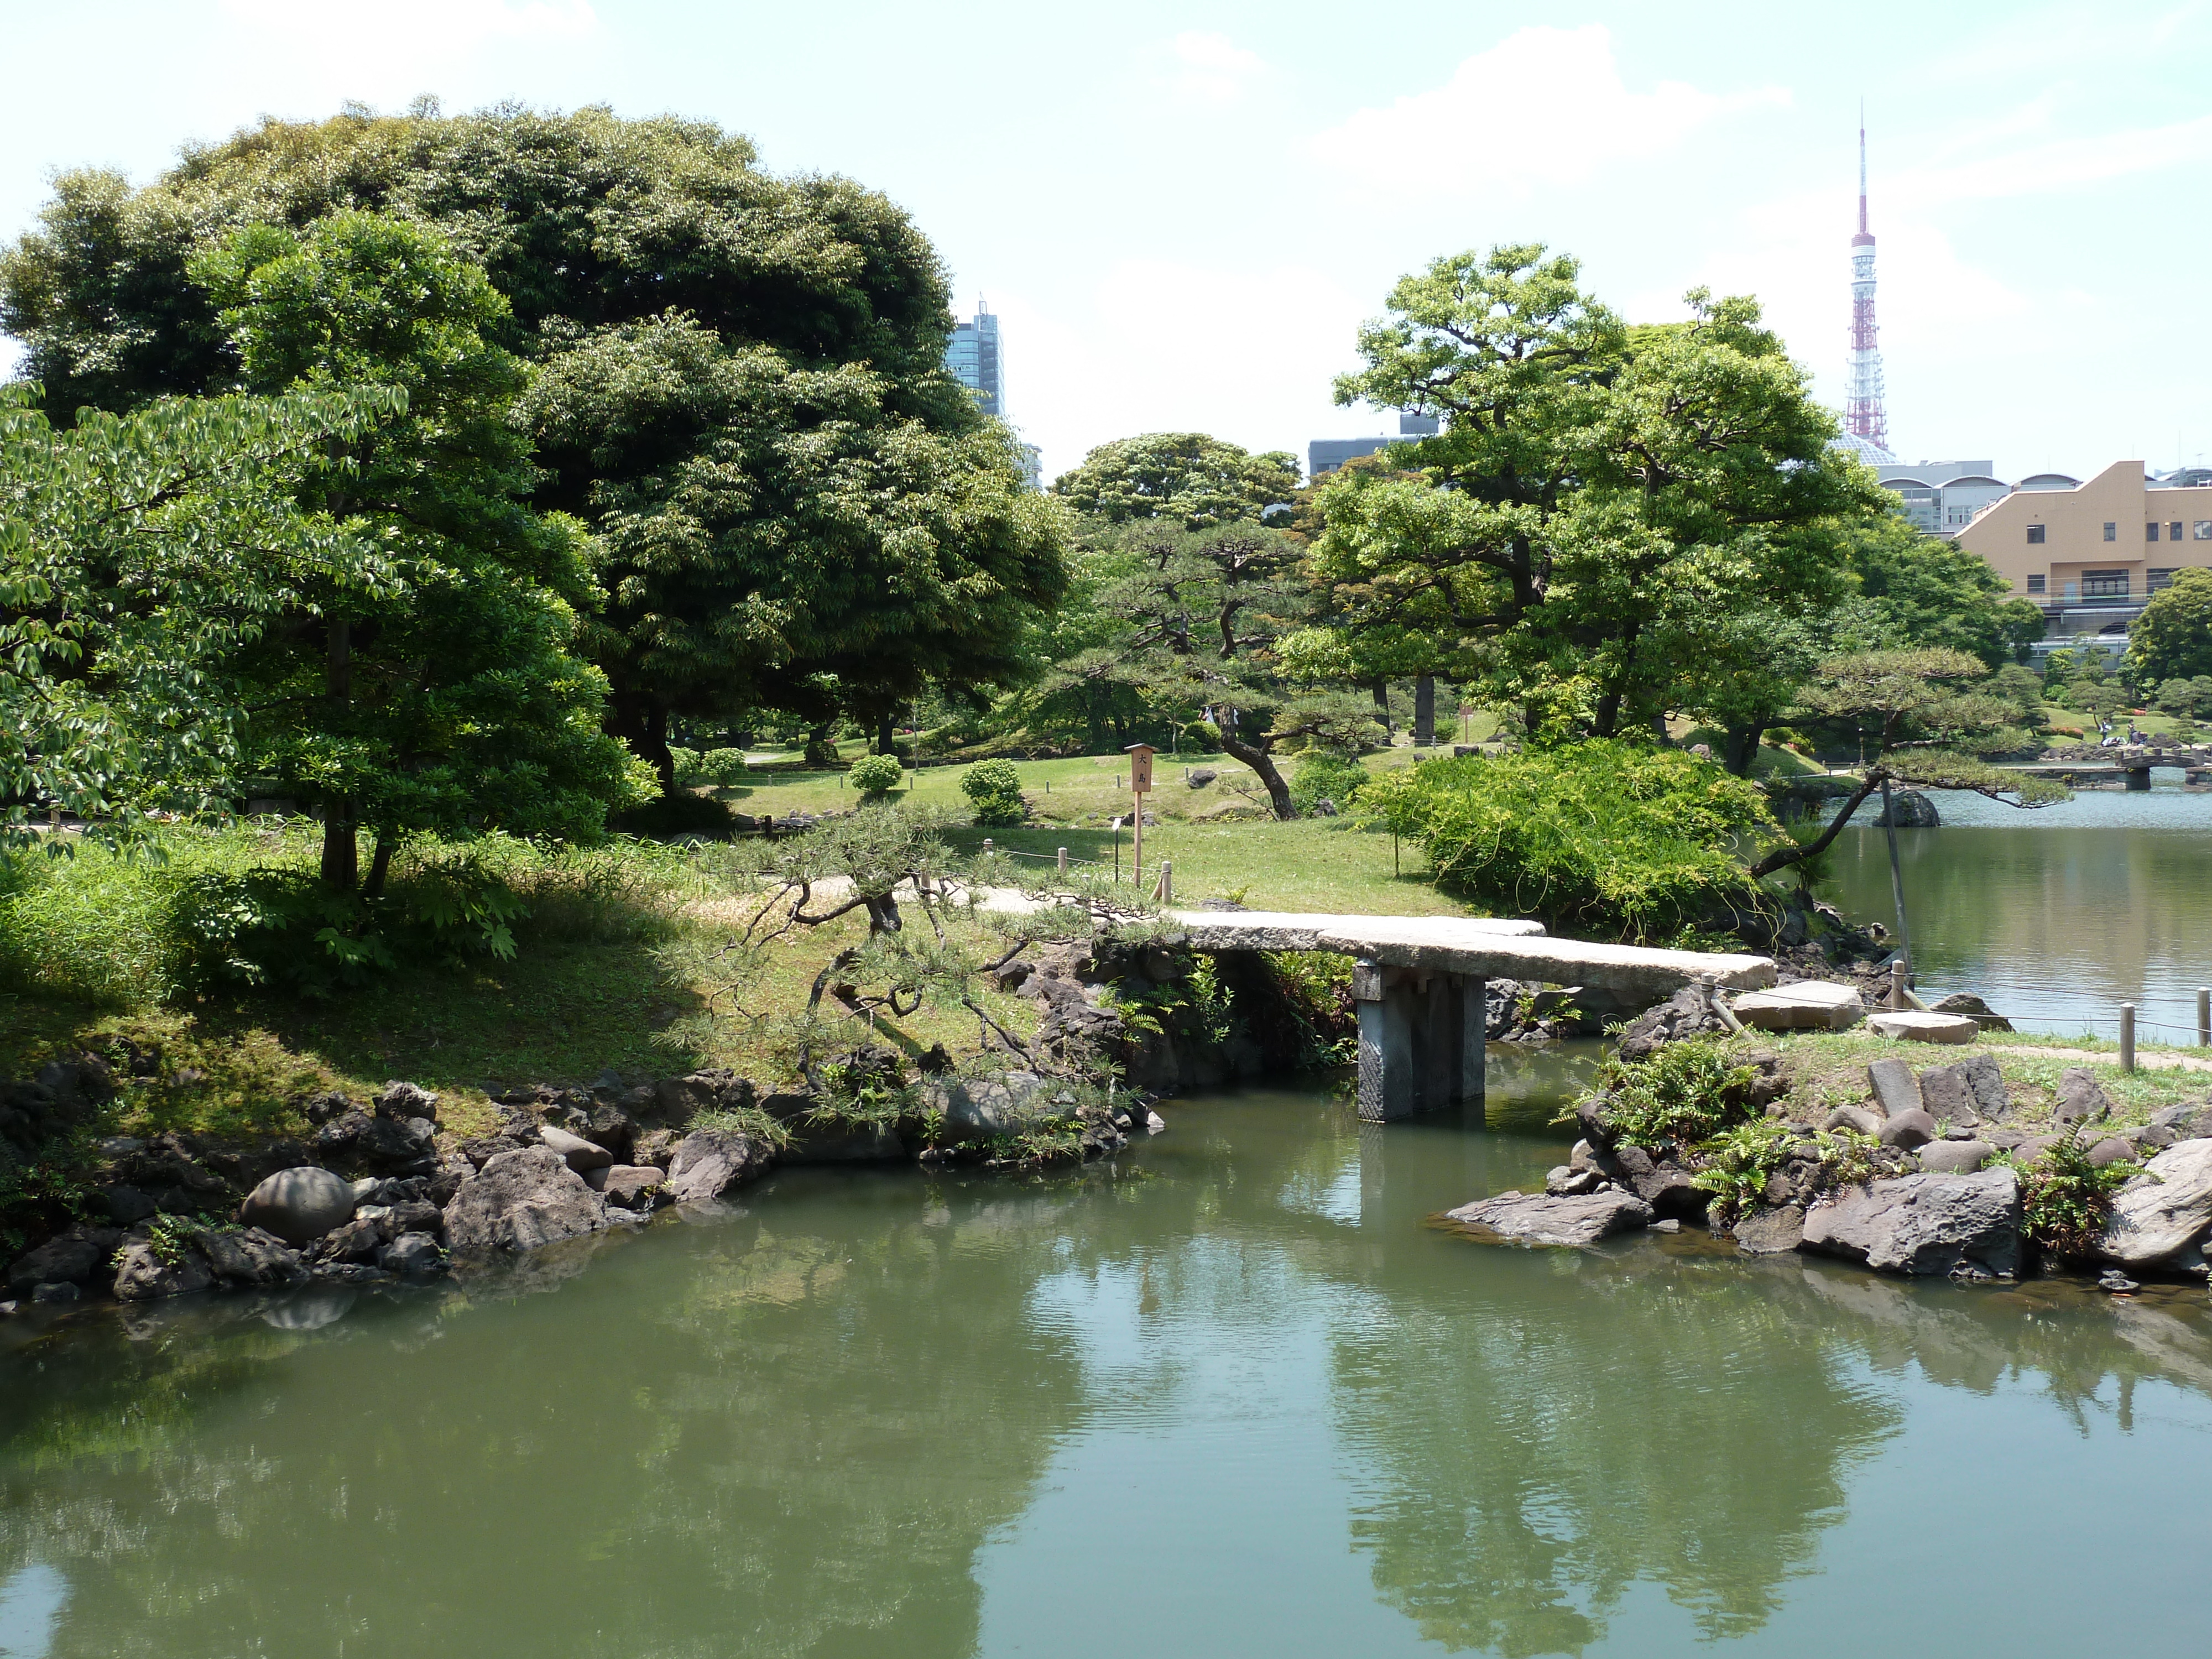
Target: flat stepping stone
(1912, 1026)
(1812, 1004)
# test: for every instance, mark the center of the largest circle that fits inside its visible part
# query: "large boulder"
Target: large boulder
(1689, 1013)
(1965, 1226)
(207, 1258)
(1910, 1025)
(709, 1162)
(81, 1256)
(1567, 1222)
(1908, 1129)
(1895, 1089)
(520, 1200)
(2162, 1218)
(298, 1205)
(1955, 1156)
(1908, 809)
(1966, 1095)
(1966, 1002)
(1771, 1233)
(984, 1108)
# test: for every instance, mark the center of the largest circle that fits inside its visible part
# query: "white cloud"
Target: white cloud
(2089, 161)
(1212, 68)
(420, 27)
(1544, 106)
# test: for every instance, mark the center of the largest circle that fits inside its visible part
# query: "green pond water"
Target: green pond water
(1229, 1395)
(2057, 916)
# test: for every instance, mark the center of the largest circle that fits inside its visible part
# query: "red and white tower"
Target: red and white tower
(1866, 423)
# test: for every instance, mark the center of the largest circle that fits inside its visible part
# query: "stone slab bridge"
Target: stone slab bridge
(1419, 983)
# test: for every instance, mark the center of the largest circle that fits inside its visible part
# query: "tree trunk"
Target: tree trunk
(1263, 766)
(1425, 712)
(1783, 857)
(820, 751)
(886, 737)
(341, 843)
(1741, 748)
(379, 864)
(1383, 706)
(643, 724)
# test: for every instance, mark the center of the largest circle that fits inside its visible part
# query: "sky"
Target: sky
(1182, 214)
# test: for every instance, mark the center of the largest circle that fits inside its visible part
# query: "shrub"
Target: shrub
(725, 767)
(2066, 1200)
(876, 775)
(671, 817)
(688, 774)
(1603, 836)
(995, 787)
(1323, 775)
(1686, 1092)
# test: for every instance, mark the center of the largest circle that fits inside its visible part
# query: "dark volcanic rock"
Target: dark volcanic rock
(1908, 1129)
(1557, 1221)
(709, 1162)
(520, 1200)
(1771, 1233)
(1955, 1156)
(79, 1256)
(1966, 1226)
(2080, 1098)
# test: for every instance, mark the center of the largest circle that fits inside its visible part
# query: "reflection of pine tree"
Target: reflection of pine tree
(1567, 1428)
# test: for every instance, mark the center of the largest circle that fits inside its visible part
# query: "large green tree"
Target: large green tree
(1198, 480)
(2172, 638)
(744, 390)
(142, 558)
(1919, 590)
(1599, 490)
(447, 698)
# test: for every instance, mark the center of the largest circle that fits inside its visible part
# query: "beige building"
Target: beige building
(2092, 555)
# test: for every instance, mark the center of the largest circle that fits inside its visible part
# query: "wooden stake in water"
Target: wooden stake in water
(2204, 1017)
(2127, 1036)
(1897, 887)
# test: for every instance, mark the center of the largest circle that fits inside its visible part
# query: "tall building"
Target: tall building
(1866, 421)
(977, 358)
(1326, 454)
(978, 362)
(1943, 497)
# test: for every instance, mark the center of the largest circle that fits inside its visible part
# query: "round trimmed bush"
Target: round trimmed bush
(876, 775)
(995, 787)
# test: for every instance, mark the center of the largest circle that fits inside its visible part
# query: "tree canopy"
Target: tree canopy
(731, 367)
(1185, 476)
(1600, 493)
(2172, 638)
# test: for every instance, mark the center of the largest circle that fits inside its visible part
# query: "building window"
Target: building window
(2035, 584)
(2111, 531)
(2174, 531)
(2035, 535)
(2156, 580)
(2104, 584)
(2204, 530)
(2150, 531)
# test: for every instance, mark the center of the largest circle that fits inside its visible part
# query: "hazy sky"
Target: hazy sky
(1182, 213)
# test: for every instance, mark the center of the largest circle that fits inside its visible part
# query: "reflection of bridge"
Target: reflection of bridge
(1419, 983)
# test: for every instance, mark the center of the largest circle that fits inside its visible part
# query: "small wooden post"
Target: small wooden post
(2127, 1036)
(1896, 980)
(987, 846)
(1166, 881)
(1140, 784)
(2203, 1017)
(1063, 860)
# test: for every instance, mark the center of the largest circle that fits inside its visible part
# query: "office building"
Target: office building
(1942, 497)
(2091, 554)
(975, 358)
(1326, 454)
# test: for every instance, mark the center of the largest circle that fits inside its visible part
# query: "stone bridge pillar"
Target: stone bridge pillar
(1421, 1035)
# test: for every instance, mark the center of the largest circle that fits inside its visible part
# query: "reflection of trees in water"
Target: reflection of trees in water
(759, 1439)
(1569, 1426)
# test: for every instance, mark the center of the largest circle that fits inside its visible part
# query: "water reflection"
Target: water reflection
(31, 1601)
(1145, 1409)
(2055, 924)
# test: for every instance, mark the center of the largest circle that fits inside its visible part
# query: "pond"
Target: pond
(1229, 1394)
(2056, 915)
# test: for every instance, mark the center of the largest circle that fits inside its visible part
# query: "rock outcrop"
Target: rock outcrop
(1965, 1226)
(709, 1162)
(522, 1201)
(1568, 1222)
(2162, 1218)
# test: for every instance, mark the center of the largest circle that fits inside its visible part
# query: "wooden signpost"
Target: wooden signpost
(1140, 783)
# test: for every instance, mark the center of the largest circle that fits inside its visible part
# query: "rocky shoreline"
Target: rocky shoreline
(1924, 1179)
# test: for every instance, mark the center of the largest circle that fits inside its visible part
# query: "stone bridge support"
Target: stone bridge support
(1421, 1033)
